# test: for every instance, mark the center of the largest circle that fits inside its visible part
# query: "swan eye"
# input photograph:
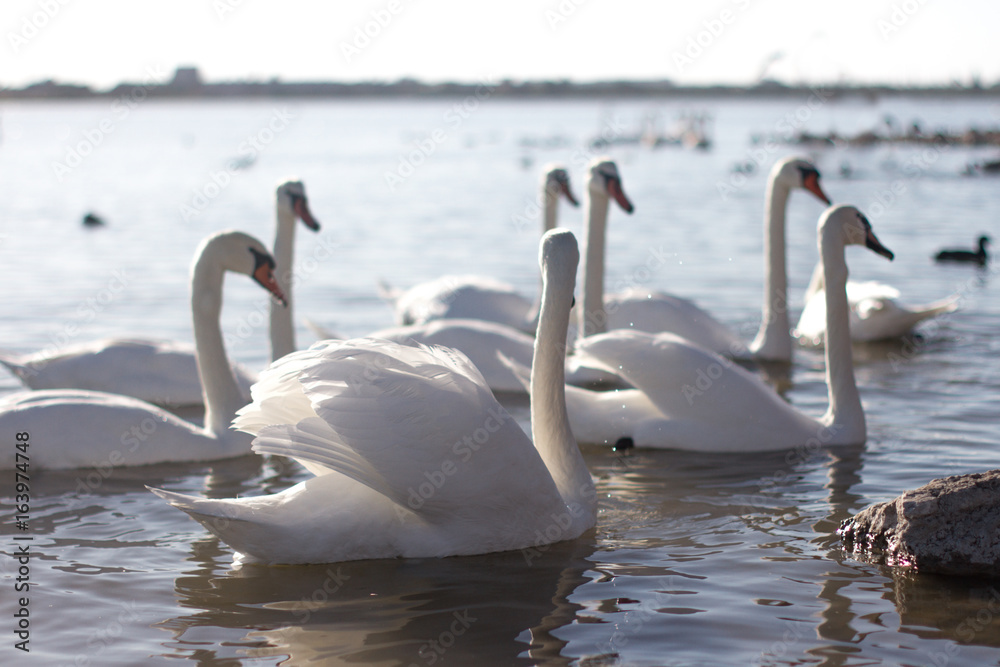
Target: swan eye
(261, 259)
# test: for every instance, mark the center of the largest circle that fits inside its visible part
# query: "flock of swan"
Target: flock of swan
(411, 453)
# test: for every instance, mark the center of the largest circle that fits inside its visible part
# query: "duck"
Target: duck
(72, 428)
(688, 398)
(979, 257)
(480, 297)
(92, 220)
(165, 372)
(412, 455)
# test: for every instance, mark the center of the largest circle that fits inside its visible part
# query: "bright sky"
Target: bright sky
(103, 42)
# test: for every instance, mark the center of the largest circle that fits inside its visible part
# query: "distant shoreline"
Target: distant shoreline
(190, 87)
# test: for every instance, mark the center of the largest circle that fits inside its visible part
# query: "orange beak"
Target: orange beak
(264, 275)
(811, 183)
(305, 215)
(568, 194)
(615, 190)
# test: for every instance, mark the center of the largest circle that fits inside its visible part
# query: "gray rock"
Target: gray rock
(949, 526)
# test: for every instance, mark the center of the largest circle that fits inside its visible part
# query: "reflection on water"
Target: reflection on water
(423, 611)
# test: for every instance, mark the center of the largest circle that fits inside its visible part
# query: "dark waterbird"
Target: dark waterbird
(967, 256)
(92, 220)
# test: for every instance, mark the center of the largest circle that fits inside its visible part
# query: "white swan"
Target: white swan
(290, 203)
(645, 310)
(413, 455)
(71, 428)
(481, 341)
(496, 350)
(686, 397)
(875, 311)
(161, 371)
(477, 297)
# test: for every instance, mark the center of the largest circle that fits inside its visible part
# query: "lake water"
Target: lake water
(696, 559)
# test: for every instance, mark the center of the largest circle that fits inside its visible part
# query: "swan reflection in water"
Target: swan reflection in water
(391, 611)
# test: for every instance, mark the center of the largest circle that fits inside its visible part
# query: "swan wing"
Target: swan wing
(481, 341)
(657, 312)
(463, 297)
(704, 401)
(415, 423)
(158, 371)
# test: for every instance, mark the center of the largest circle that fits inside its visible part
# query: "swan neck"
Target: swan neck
(592, 317)
(846, 416)
(550, 429)
(550, 213)
(815, 282)
(550, 208)
(282, 330)
(774, 340)
(220, 392)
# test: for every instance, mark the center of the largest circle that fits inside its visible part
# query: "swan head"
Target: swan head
(983, 242)
(797, 172)
(559, 254)
(603, 180)
(240, 253)
(557, 183)
(291, 195)
(855, 228)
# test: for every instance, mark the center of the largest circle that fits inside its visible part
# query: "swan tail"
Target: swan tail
(388, 293)
(214, 514)
(233, 521)
(521, 372)
(321, 332)
(929, 310)
(24, 372)
(946, 305)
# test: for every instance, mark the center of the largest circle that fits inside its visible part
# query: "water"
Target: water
(696, 559)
